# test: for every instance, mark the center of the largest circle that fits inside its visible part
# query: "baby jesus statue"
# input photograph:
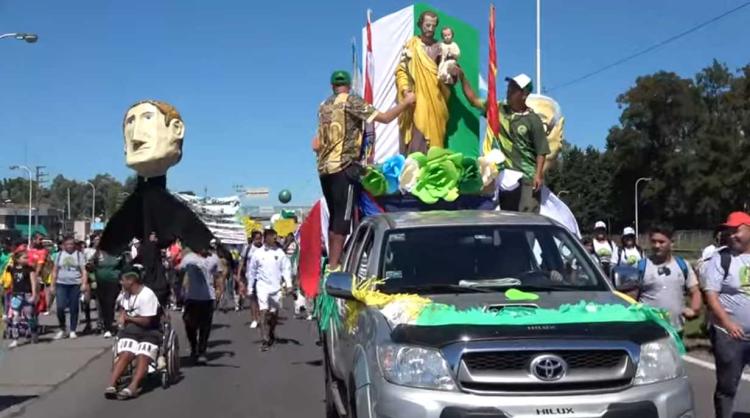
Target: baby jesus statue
(449, 54)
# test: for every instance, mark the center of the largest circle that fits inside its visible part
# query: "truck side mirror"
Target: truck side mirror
(625, 278)
(339, 285)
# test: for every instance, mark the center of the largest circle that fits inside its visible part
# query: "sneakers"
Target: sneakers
(265, 346)
(202, 358)
(73, 335)
(254, 324)
(107, 335)
(13, 344)
(59, 336)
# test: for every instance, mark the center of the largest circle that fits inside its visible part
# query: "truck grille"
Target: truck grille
(588, 370)
(514, 360)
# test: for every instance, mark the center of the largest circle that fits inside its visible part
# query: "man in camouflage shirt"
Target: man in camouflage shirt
(338, 144)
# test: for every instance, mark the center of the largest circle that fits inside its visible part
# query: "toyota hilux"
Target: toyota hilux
(469, 260)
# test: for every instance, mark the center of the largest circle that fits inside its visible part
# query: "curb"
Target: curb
(18, 409)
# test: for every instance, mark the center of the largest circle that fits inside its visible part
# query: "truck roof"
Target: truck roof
(398, 220)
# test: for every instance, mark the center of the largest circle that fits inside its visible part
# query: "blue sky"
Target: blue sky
(247, 76)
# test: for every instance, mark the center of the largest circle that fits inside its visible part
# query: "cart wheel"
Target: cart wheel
(173, 365)
(165, 379)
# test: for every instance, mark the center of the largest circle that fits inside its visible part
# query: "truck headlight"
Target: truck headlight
(660, 360)
(415, 367)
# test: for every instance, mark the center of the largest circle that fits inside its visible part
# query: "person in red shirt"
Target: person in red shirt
(38, 257)
(37, 254)
(175, 258)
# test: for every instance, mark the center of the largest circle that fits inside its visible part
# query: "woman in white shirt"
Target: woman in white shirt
(629, 253)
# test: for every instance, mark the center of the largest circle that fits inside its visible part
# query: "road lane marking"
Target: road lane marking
(709, 365)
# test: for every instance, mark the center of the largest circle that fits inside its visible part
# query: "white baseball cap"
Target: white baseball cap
(523, 81)
(628, 231)
(600, 225)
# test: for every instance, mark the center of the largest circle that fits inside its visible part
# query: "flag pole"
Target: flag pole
(539, 46)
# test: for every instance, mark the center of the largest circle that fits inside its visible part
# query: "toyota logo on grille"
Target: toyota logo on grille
(548, 367)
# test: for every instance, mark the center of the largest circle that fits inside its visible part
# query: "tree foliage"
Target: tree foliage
(688, 134)
(110, 194)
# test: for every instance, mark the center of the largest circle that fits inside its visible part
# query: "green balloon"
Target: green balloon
(285, 196)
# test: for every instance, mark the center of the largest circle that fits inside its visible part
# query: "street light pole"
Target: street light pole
(21, 36)
(636, 203)
(93, 202)
(31, 191)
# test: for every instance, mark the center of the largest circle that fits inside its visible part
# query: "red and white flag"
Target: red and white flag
(369, 138)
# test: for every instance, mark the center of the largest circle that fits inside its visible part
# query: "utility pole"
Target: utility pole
(68, 203)
(41, 179)
(93, 201)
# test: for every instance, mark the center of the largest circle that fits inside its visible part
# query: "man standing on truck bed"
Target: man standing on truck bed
(523, 140)
(338, 144)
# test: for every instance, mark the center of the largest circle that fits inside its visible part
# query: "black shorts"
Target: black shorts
(341, 191)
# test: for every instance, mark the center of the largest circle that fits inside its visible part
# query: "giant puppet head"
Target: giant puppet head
(554, 122)
(153, 137)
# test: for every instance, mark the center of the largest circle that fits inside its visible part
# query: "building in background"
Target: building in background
(44, 219)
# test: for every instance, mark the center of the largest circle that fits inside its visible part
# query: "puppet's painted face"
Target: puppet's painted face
(152, 145)
(554, 124)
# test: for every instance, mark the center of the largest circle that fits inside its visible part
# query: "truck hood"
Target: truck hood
(548, 300)
(439, 336)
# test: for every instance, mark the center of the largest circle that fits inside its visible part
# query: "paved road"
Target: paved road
(703, 381)
(240, 381)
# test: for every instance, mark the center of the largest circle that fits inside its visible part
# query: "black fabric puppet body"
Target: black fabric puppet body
(151, 208)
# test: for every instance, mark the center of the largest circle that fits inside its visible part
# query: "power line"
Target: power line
(652, 47)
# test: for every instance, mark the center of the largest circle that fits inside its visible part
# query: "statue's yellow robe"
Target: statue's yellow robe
(430, 114)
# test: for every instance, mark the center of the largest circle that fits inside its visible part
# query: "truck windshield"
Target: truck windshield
(533, 258)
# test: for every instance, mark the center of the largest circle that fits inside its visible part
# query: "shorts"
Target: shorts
(133, 339)
(269, 301)
(341, 191)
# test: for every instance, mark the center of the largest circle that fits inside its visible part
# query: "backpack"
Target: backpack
(684, 268)
(726, 260)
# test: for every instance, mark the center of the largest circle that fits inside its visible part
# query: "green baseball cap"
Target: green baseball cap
(341, 78)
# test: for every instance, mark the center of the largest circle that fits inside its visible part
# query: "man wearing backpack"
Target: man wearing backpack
(69, 279)
(725, 279)
(664, 279)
